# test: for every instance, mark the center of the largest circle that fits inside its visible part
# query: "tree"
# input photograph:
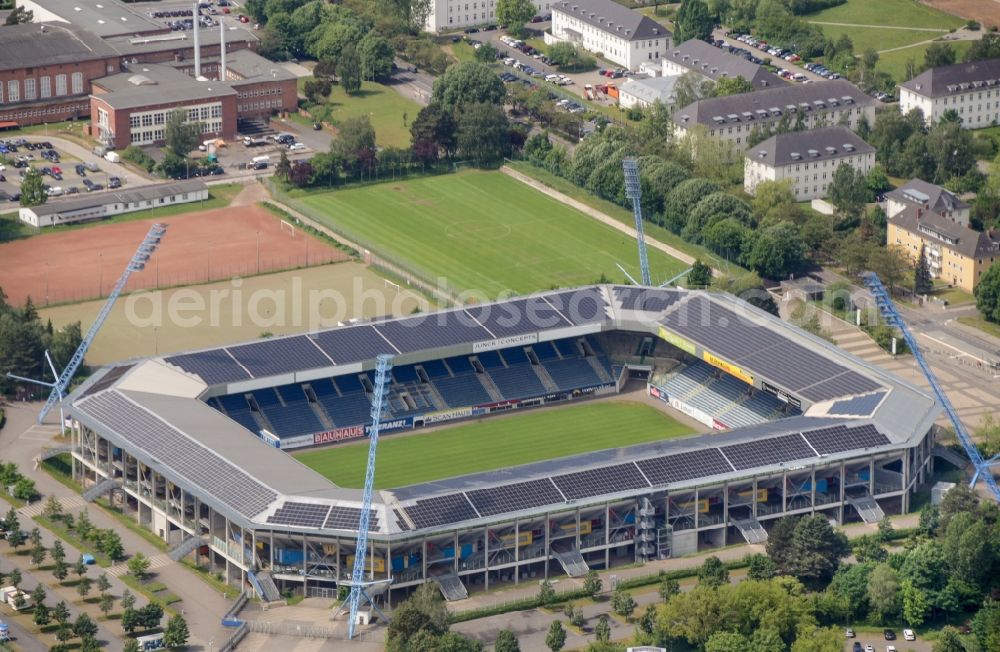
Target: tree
(127, 600)
(60, 570)
(987, 295)
(988, 47)
(181, 136)
(732, 86)
(38, 553)
(949, 640)
(10, 522)
(283, 167)
(375, 55)
(513, 14)
(714, 208)
(848, 191)
(713, 572)
(593, 584)
(138, 566)
(486, 53)
(38, 595)
(176, 634)
(700, 275)
(42, 616)
(106, 603)
(433, 130)
(32, 192)
(669, 587)
(915, 604)
(693, 21)
(892, 265)
(546, 594)
(84, 625)
(19, 16)
(131, 645)
(760, 568)
(103, 583)
(469, 82)
(776, 251)
(869, 548)
(80, 567)
(355, 144)
(569, 58)
(602, 630)
(111, 545)
(623, 603)
(884, 593)
(727, 642)
(60, 613)
(922, 281)
(349, 70)
(90, 644)
(939, 54)
(483, 133)
(556, 638)
(317, 91)
(986, 625)
(53, 509)
(83, 586)
(130, 620)
(151, 615)
(15, 578)
(64, 633)
(818, 639)
(24, 489)
(506, 642)
(423, 613)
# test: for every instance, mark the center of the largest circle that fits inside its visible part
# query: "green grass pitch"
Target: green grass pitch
(483, 232)
(496, 442)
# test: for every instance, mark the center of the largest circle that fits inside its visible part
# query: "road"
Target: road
(418, 86)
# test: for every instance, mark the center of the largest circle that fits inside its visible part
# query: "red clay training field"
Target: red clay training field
(210, 245)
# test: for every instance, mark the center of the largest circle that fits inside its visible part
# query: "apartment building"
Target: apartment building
(446, 15)
(929, 197)
(807, 158)
(955, 253)
(970, 89)
(604, 27)
(713, 64)
(734, 117)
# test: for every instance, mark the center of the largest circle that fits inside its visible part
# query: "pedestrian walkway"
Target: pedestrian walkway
(156, 562)
(69, 504)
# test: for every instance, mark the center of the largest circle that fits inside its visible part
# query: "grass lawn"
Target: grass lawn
(954, 296)
(865, 38)
(622, 215)
(389, 111)
(979, 322)
(496, 442)
(894, 63)
(219, 196)
(482, 231)
(899, 13)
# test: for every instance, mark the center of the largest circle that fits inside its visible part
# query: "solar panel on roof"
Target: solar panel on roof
(194, 463)
(515, 497)
(348, 518)
(595, 482)
(400, 521)
(214, 367)
(764, 452)
(632, 298)
(857, 406)
(107, 380)
(517, 317)
(354, 344)
(585, 306)
(300, 515)
(840, 439)
(435, 329)
(284, 355)
(441, 510)
(684, 466)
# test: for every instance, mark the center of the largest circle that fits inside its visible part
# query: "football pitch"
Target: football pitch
(483, 232)
(496, 442)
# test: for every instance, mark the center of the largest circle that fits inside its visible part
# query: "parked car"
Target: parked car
(857, 647)
(889, 634)
(849, 633)
(908, 635)
(295, 147)
(80, 170)
(114, 182)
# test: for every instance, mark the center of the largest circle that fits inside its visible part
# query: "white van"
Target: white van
(260, 162)
(114, 157)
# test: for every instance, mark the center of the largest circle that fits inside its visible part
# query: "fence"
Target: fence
(154, 279)
(235, 639)
(306, 631)
(408, 271)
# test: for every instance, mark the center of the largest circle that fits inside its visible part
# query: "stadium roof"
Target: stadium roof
(154, 408)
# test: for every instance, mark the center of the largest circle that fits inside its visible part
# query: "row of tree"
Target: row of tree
(24, 338)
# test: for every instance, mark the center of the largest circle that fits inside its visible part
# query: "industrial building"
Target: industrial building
(194, 446)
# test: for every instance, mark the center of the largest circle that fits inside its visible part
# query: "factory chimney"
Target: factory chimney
(222, 51)
(196, 14)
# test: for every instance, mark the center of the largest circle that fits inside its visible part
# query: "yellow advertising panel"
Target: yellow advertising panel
(730, 369)
(379, 564)
(676, 340)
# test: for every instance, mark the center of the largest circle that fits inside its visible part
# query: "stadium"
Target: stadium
(200, 447)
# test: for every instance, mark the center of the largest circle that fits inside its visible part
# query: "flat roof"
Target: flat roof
(132, 45)
(102, 17)
(150, 84)
(121, 196)
(32, 44)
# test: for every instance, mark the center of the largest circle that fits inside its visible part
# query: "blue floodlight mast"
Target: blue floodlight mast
(892, 317)
(135, 264)
(358, 584)
(633, 191)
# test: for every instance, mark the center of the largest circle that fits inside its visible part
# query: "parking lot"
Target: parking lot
(66, 168)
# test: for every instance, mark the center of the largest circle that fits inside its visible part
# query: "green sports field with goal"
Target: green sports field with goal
(482, 231)
(496, 442)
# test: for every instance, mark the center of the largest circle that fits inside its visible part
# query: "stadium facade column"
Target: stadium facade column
(843, 491)
(548, 545)
(725, 514)
(517, 552)
(486, 557)
(607, 534)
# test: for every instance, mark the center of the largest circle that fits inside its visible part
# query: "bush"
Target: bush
(136, 156)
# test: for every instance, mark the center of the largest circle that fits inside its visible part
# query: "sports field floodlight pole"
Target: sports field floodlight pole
(893, 318)
(136, 264)
(358, 583)
(633, 191)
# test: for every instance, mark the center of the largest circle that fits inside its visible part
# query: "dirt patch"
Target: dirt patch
(198, 247)
(987, 12)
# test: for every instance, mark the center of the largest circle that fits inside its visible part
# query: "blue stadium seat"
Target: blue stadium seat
(544, 351)
(462, 391)
(459, 365)
(266, 398)
(514, 356)
(434, 369)
(519, 381)
(348, 384)
(572, 373)
(405, 374)
(323, 387)
(567, 348)
(237, 408)
(348, 410)
(490, 360)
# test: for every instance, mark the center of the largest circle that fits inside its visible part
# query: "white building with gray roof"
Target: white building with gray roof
(643, 92)
(806, 158)
(713, 64)
(605, 27)
(100, 205)
(972, 90)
